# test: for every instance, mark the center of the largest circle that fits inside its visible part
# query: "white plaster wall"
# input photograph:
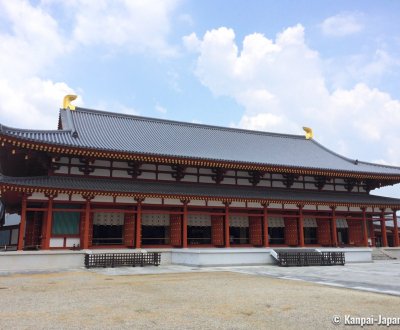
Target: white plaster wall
(62, 197)
(105, 199)
(62, 170)
(157, 201)
(195, 202)
(38, 196)
(128, 200)
(120, 174)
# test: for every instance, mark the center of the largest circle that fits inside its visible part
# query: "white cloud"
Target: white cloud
(160, 109)
(30, 46)
(135, 25)
(32, 42)
(282, 87)
(342, 25)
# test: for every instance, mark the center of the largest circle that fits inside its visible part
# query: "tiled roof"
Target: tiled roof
(179, 189)
(108, 131)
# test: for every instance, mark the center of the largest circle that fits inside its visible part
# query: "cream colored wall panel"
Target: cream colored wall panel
(157, 201)
(56, 242)
(341, 208)
(238, 204)
(147, 175)
(62, 197)
(165, 176)
(243, 182)
(290, 207)
(62, 170)
(195, 202)
(75, 161)
(324, 208)
(39, 196)
(228, 181)
(189, 178)
(205, 171)
(275, 206)
(120, 174)
(206, 179)
(101, 172)
(278, 184)
(105, 163)
(120, 164)
(77, 198)
(164, 168)
(215, 203)
(75, 171)
(255, 205)
(297, 185)
(169, 201)
(150, 167)
(103, 199)
(191, 170)
(127, 200)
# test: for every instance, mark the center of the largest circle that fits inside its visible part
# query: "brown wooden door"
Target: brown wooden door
(129, 229)
(176, 229)
(291, 232)
(217, 230)
(324, 232)
(33, 229)
(255, 231)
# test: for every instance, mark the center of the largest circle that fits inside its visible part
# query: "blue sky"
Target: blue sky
(265, 65)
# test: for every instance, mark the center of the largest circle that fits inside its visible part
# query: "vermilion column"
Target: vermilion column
(364, 227)
(301, 226)
(333, 227)
(265, 226)
(395, 230)
(47, 229)
(138, 237)
(22, 225)
(383, 229)
(86, 226)
(184, 223)
(226, 225)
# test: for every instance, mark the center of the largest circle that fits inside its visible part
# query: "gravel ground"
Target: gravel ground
(206, 300)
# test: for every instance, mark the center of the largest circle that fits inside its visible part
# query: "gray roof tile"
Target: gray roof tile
(212, 191)
(124, 133)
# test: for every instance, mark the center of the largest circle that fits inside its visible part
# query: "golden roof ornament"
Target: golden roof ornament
(309, 133)
(67, 101)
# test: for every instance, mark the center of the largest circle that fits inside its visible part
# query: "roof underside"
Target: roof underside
(131, 134)
(216, 192)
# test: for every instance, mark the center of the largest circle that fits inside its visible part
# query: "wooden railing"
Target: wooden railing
(122, 259)
(310, 258)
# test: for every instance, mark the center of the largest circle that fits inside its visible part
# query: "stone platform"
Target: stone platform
(28, 261)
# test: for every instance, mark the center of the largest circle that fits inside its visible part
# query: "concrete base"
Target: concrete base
(251, 256)
(28, 261)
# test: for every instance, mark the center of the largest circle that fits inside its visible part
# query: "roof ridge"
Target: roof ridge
(29, 130)
(187, 124)
(350, 160)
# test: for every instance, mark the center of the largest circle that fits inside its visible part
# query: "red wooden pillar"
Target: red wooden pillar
(364, 227)
(301, 226)
(372, 232)
(333, 227)
(138, 237)
(383, 229)
(185, 223)
(86, 224)
(395, 230)
(46, 233)
(265, 226)
(226, 225)
(22, 225)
